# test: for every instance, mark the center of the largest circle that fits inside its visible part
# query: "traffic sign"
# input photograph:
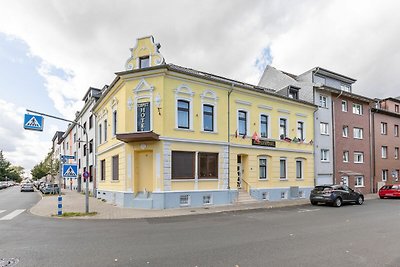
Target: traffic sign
(67, 157)
(70, 170)
(85, 174)
(33, 122)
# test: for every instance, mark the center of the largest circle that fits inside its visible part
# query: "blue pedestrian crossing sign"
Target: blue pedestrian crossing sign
(70, 170)
(33, 122)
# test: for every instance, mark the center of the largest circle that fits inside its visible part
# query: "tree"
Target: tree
(8, 171)
(47, 166)
(4, 166)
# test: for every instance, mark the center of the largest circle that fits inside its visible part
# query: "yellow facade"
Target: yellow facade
(146, 157)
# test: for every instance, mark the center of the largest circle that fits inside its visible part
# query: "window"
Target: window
(383, 128)
(74, 137)
(84, 149)
(358, 157)
(325, 155)
(396, 174)
(183, 114)
(103, 170)
(359, 181)
(114, 122)
(345, 87)
(324, 128)
(293, 93)
(207, 200)
(242, 117)
(283, 195)
(183, 165)
(300, 130)
(144, 62)
(396, 130)
(282, 164)
(263, 168)
(345, 180)
(90, 121)
(345, 156)
(265, 196)
(115, 168)
(105, 130)
(91, 146)
(345, 132)
(299, 169)
(357, 109)
(396, 108)
(282, 127)
(385, 175)
(208, 118)
(100, 134)
(184, 200)
(79, 163)
(358, 133)
(323, 101)
(344, 105)
(264, 126)
(91, 173)
(384, 152)
(84, 126)
(208, 165)
(396, 153)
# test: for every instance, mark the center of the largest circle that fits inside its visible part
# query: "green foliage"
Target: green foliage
(47, 166)
(8, 171)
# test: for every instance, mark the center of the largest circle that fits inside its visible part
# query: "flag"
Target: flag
(236, 134)
(296, 140)
(287, 139)
(311, 142)
(244, 136)
(256, 138)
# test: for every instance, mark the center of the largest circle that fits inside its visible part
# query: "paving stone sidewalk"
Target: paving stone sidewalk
(75, 202)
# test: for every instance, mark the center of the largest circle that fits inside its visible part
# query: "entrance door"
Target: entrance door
(239, 171)
(144, 171)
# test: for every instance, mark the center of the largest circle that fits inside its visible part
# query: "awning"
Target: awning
(138, 137)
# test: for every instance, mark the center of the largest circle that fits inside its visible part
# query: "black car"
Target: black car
(335, 195)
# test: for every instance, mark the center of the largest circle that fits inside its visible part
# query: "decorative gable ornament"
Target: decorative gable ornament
(145, 48)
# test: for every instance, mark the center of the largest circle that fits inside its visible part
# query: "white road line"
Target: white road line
(12, 215)
(306, 210)
(1, 211)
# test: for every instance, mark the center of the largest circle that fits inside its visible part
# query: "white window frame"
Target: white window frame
(287, 127)
(358, 157)
(357, 109)
(209, 97)
(185, 93)
(214, 118)
(268, 125)
(266, 168)
(345, 87)
(385, 174)
(184, 204)
(302, 169)
(304, 129)
(265, 195)
(358, 130)
(345, 131)
(344, 106)
(396, 130)
(346, 156)
(284, 194)
(396, 153)
(345, 180)
(323, 101)
(286, 168)
(247, 120)
(324, 155)
(356, 180)
(383, 128)
(384, 152)
(210, 200)
(324, 126)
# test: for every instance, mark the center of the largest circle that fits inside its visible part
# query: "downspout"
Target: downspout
(333, 141)
(314, 148)
(229, 135)
(372, 149)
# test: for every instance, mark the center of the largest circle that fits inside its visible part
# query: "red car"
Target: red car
(390, 190)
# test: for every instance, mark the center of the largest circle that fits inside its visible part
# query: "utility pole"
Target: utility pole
(87, 153)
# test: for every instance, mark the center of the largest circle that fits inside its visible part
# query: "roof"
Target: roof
(58, 135)
(344, 93)
(95, 94)
(328, 73)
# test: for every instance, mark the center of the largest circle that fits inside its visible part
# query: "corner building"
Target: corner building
(176, 137)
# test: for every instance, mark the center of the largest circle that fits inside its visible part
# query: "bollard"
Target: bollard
(59, 212)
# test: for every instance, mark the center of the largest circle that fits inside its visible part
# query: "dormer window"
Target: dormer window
(345, 87)
(144, 62)
(294, 93)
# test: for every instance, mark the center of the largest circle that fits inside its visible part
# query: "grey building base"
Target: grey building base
(168, 200)
(276, 194)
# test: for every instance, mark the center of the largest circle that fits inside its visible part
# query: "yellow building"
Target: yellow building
(170, 136)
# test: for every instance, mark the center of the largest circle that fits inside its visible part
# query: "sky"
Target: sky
(51, 52)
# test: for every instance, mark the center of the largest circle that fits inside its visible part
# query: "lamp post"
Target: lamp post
(87, 152)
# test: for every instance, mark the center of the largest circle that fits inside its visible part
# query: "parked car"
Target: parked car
(335, 195)
(3, 185)
(389, 191)
(27, 187)
(50, 189)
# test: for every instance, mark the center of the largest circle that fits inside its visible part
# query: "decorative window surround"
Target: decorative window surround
(185, 93)
(209, 97)
(283, 111)
(264, 107)
(243, 102)
(301, 115)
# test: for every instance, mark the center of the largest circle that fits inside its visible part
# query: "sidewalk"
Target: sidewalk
(75, 202)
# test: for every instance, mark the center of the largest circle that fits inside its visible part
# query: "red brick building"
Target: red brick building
(386, 142)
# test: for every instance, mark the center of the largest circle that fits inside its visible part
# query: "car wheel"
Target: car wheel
(337, 202)
(314, 203)
(360, 200)
(381, 197)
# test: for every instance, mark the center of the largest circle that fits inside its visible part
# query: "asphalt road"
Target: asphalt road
(305, 235)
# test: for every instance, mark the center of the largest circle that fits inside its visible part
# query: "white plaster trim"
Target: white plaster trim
(185, 90)
(143, 86)
(301, 115)
(246, 103)
(264, 107)
(283, 111)
(209, 94)
(110, 148)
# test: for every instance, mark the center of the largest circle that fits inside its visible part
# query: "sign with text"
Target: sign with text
(143, 117)
(261, 142)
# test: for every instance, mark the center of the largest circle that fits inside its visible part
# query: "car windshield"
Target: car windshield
(322, 187)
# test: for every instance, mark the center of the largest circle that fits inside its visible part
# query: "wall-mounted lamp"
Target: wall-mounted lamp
(157, 102)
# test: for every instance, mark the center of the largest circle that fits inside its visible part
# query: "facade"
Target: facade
(176, 137)
(385, 123)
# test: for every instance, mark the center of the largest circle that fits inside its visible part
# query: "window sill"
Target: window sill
(358, 138)
(263, 180)
(299, 179)
(283, 179)
(182, 180)
(207, 179)
(102, 181)
(358, 162)
(345, 161)
(183, 129)
(325, 161)
(209, 132)
(114, 181)
(359, 186)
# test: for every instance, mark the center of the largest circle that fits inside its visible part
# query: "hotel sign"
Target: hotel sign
(143, 117)
(261, 142)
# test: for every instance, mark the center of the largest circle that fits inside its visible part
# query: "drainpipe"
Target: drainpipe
(372, 149)
(229, 135)
(333, 142)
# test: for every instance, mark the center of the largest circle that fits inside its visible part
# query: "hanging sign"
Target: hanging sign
(143, 117)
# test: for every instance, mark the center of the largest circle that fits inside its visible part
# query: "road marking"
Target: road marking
(12, 215)
(306, 210)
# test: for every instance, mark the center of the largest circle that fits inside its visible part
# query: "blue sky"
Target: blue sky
(51, 52)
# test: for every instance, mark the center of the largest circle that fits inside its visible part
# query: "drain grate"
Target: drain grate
(8, 262)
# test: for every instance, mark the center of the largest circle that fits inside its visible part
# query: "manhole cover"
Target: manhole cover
(8, 262)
